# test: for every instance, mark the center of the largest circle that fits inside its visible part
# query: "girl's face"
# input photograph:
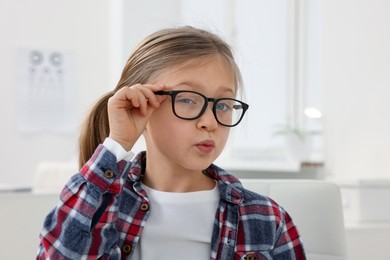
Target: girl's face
(190, 145)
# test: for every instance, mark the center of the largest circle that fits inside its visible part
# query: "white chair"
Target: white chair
(23, 213)
(51, 177)
(316, 209)
(21, 221)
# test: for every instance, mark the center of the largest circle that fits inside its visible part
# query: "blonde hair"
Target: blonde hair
(156, 52)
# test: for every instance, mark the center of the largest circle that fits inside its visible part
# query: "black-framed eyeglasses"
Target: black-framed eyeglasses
(190, 105)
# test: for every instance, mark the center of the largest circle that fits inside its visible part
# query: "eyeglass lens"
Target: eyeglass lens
(190, 105)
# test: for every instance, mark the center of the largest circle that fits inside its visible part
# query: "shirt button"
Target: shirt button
(126, 248)
(109, 174)
(250, 257)
(144, 206)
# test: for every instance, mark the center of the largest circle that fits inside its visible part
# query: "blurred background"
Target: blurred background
(316, 74)
(314, 69)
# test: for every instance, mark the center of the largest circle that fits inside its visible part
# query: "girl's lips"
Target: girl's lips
(206, 146)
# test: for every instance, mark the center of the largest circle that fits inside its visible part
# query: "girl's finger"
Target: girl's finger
(153, 99)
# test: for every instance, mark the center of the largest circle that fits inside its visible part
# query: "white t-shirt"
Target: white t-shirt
(180, 225)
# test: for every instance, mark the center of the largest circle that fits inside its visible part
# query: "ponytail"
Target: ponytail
(94, 129)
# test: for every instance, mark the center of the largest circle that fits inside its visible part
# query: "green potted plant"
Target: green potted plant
(298, 141)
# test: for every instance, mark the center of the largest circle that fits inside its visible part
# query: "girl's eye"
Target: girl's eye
(186, 101)
(189, 99)
(222, 106)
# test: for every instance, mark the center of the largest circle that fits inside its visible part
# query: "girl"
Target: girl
(178, 89)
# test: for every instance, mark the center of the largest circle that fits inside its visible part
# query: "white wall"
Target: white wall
(140, 18)
(101, 33)
(356, 73)
(357, 88)
(80, 26)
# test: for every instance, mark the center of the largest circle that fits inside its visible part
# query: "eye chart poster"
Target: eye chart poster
(46, 91)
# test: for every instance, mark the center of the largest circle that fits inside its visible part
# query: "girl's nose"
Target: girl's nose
(207, 120)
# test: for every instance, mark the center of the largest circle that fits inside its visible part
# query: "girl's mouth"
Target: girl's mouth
(206, 146)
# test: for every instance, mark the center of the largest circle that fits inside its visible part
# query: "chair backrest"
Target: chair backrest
(51, 176)
(21, 221)
(315, 207)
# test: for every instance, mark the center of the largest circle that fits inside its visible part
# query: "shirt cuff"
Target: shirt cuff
(115, 148)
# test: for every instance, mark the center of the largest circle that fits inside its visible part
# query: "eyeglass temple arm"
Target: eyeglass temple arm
(162, 92)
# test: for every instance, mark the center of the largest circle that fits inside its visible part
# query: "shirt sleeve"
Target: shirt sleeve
(116, 149)
(82, 225)
(288, 244)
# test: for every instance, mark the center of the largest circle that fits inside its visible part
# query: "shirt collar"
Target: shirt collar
(137, 169)
(229, 185)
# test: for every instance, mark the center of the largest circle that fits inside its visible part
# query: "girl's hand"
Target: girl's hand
(129, 110)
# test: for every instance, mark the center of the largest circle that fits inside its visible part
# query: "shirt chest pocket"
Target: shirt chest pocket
(252, 255)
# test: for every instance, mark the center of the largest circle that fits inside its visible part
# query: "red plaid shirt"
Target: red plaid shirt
(102, 212)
